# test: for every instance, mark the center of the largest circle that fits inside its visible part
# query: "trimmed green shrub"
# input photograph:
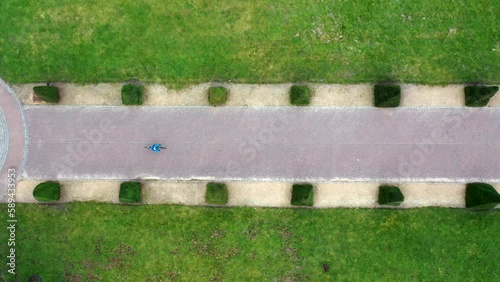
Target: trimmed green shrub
(481, 196)
(35, 278)
(300, 95)
(387, 96)
(48, 94)
(217, 96)
(302, 194)
(132, 94)
(390, 195)
(48, 191)
(216, 193)
(130, 192)
(479, 96)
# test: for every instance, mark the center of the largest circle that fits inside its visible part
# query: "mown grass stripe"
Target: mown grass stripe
(180, 43)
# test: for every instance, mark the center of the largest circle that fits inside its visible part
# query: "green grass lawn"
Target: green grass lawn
(180, 243)
(265, 41)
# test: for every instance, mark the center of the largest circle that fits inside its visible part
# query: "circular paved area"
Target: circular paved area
(13, 136)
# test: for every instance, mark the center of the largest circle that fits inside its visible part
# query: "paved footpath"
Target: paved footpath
(264, 143)
(13, 137)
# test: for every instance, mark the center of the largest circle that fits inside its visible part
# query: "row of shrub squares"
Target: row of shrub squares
(389, 95)
(385, 95)
(477, 196)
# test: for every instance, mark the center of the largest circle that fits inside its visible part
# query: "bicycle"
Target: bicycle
(156, 147)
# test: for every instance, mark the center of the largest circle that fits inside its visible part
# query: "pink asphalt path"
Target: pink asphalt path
(16, 134)
(264, 143)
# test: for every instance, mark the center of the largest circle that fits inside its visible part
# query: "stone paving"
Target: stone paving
(13, 137)
(264, 143)
(255, 193)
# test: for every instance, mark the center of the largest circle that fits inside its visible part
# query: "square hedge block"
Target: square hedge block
(302, 194)
(48, 191)
(387, 96)
(216, 193)
(479, 96)
(48, 94)
(390, 195)
(130, 192)
(132, 94)
(481, 196)
(217, 96)
(300, 95)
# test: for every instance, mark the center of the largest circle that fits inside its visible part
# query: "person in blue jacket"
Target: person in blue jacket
(155, 147)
